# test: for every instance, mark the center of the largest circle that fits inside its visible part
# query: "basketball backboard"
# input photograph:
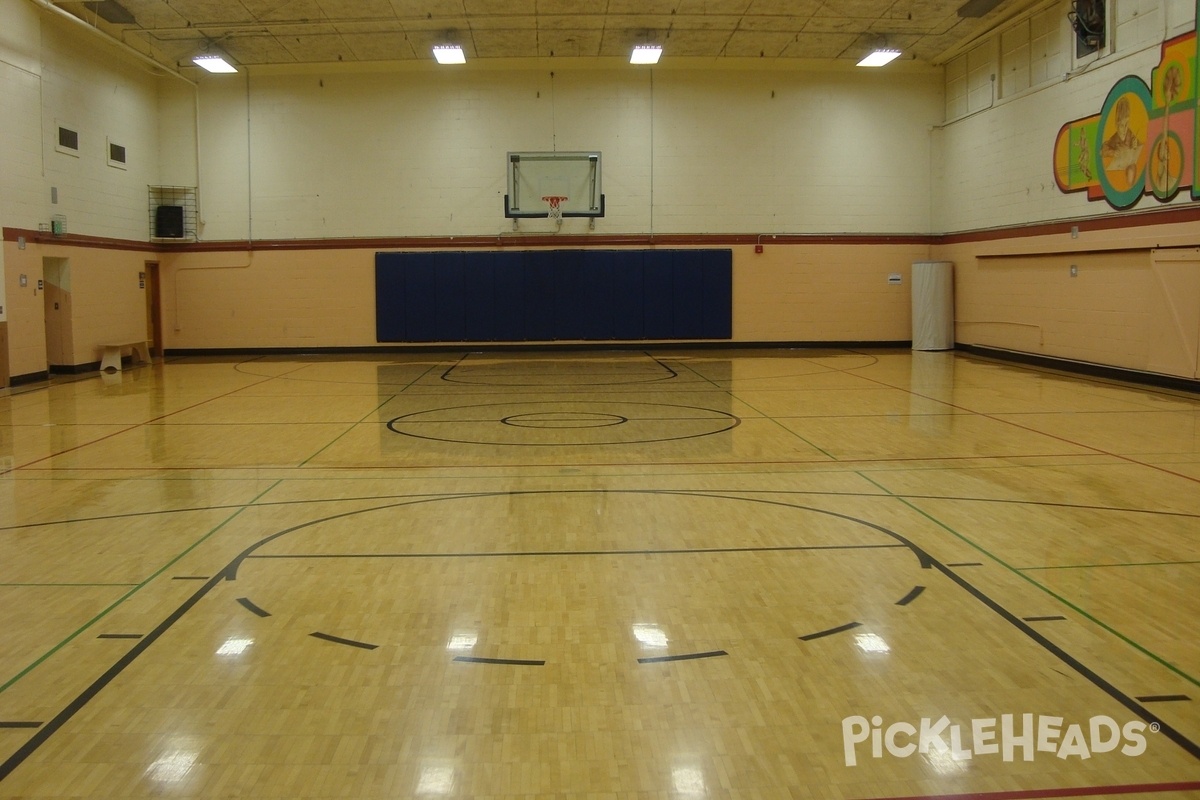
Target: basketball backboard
(533, 176)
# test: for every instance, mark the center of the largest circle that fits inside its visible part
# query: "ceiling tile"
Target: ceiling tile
(356, 9)
(700, 44)
(819, 45)
(499, 8)
(251, 50)
(379, 46)
(757, 44)
(699, 7)
(569, 43)
(505, 43)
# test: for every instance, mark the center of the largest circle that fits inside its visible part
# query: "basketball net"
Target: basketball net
(555, 202)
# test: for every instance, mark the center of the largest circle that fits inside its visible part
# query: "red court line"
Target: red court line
(995, 418)
(1081, 791)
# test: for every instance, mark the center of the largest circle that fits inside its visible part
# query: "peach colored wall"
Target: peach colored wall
(25, 310)
(293, 298)
(106, 303)
(1135, 302)
(830, 292)
(326, 298)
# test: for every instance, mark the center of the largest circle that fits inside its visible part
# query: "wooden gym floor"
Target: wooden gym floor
(660, 574)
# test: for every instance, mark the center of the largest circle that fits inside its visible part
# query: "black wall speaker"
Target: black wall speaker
(168, 222)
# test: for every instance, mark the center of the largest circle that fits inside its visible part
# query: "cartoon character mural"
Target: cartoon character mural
(1143, 141)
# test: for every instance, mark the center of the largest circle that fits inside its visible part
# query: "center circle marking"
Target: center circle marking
(564, 419)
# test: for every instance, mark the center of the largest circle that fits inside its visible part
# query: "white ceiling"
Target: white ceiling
(256, 32)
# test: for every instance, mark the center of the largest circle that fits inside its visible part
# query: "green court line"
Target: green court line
(1058, 597)
(768, 417)
(346, 432)
(1098, 566)
(11, 681)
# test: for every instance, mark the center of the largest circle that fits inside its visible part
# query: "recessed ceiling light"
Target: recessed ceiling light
(449, 54)
(879, 58)
(645, 54)
(214, 64)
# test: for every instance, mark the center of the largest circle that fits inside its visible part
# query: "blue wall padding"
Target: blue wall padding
(510, 296)
(553, 295)
(629, 296)
(479, 300)
(420, 288)
(450, 297)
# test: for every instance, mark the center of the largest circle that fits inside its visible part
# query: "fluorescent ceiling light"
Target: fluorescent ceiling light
(879, 58)
(449, 54)
(214, 64)
(645, 54)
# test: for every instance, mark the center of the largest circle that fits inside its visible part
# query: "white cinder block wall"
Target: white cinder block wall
(21, 201)
(86, 85)
(994, 166)
(346, 152)
(996, 169)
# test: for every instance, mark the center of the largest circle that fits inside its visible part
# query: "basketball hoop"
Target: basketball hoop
(555, 202)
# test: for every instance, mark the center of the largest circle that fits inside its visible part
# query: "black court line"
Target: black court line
(1074, 663)
(119, 636)
(723, 422)
(462, 366)
(967, 564)
(912, 595)
(687, 657)
(1164, 698)
(513, 662)
(230, 573)
(339, 640)
(528, 553)
(48, 729)
(830, 632)
(14, 725)
(1052, 618)
(190, 578)
(253, 609)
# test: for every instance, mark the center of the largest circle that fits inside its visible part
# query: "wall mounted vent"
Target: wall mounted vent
(116, 154)
(68, 140)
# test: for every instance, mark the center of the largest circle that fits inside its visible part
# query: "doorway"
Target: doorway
(56, 298)
(153, 308)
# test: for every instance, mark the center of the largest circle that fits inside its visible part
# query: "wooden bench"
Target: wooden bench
(139, 352)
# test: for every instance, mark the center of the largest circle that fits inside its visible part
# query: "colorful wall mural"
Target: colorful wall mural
(1143, 141)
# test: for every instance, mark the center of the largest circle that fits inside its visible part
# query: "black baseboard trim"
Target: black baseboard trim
(1084, 368)
(29, 377)
(74, 369)
(518, 347)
